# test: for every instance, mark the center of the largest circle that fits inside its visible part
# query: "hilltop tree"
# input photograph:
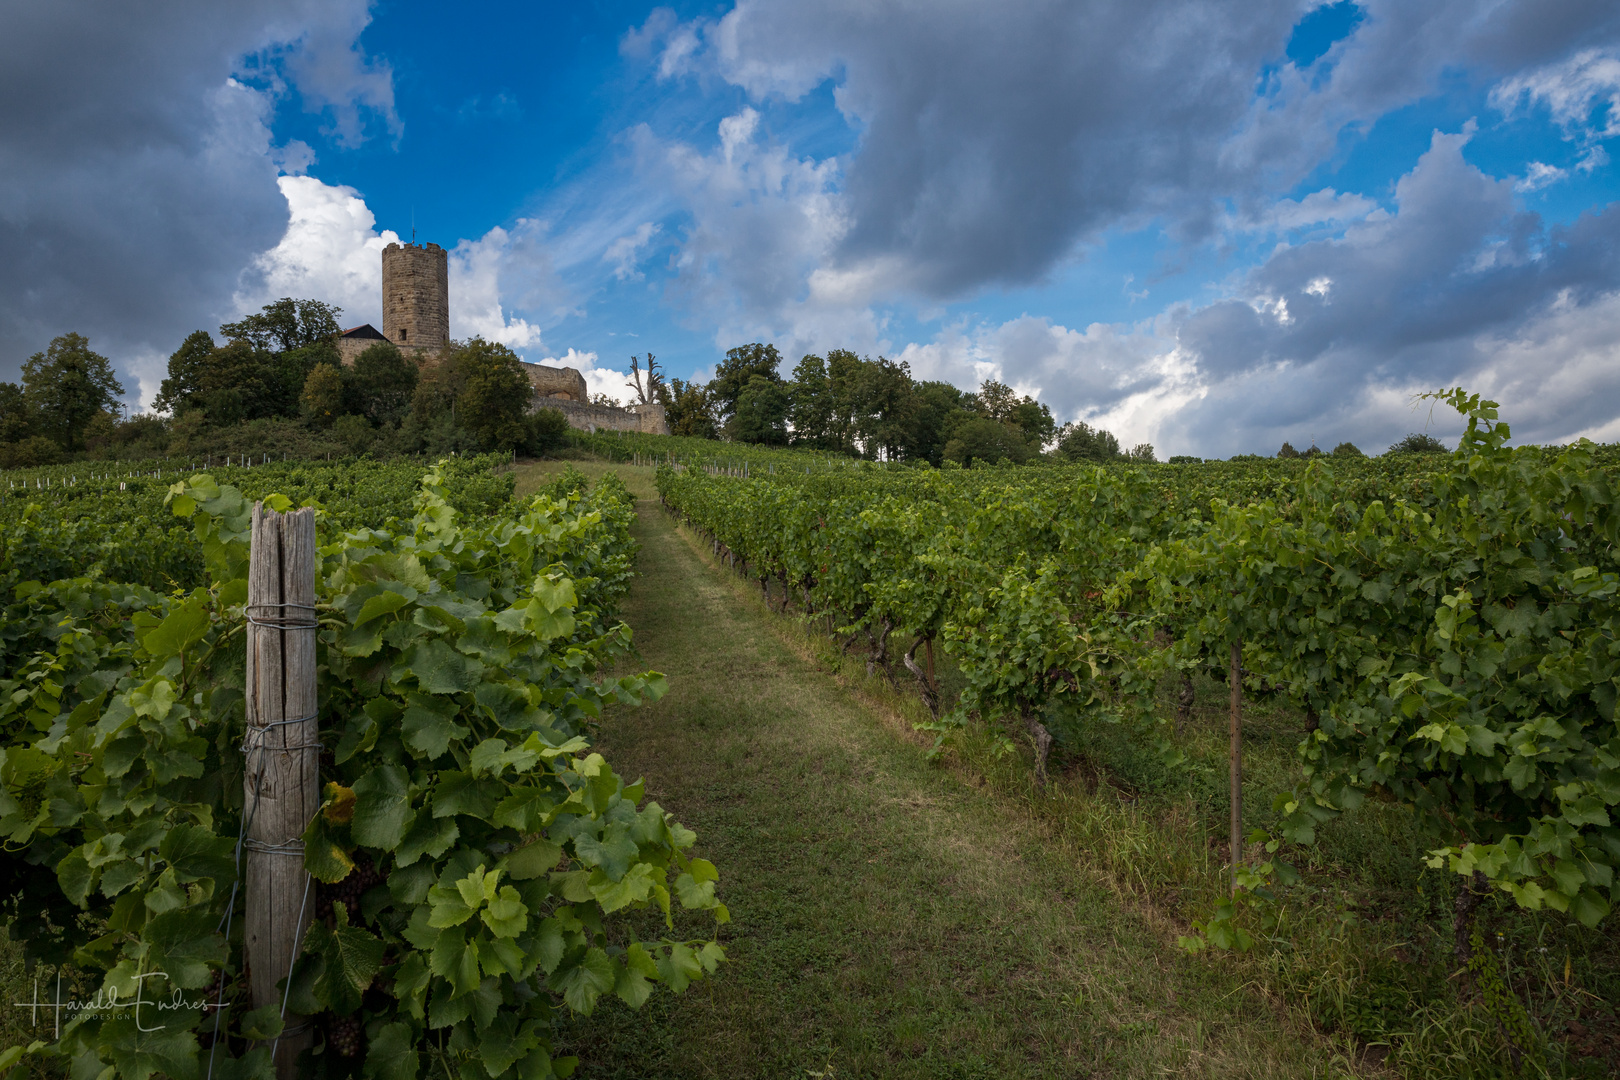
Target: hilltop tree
(1419, 443)
(689, 411)
(936, 408)
(493, 394)
(882, 401)
(322, 397)
(761, 413)
(996, 400)
(188, 368)
(981, 439)
(381, 384)
(737, 370)
(65, 386)
(286, 325)
(14, 419)
(1079, 441)
(810, 404)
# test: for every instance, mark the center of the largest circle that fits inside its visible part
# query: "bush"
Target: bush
(322, 399)
(29, 452)
(355, 434)
(1419, 443)
(546, 430)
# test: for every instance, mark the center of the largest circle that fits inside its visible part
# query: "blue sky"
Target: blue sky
(1208, 226)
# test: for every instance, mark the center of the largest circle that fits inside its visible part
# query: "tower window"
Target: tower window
(403, 333)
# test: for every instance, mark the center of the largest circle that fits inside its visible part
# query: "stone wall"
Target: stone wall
(584, 416)
(550, 382)
(416, 296)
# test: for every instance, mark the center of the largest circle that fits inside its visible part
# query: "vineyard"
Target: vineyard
(1444, 626)
(473, 861)
(1338, 733)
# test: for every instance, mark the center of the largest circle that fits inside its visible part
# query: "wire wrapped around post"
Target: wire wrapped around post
(281, 777)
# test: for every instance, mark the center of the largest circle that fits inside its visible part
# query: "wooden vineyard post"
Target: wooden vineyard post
(1236, 679)
(281, 775)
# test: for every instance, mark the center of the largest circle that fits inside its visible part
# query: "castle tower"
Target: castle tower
(416, 295)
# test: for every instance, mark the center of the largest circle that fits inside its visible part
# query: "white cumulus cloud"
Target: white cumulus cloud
(332, 251)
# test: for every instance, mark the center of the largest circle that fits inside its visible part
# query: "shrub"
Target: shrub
(355, 433)
(29, 452)
(547, 430)
(1419, 443)
(322, 399)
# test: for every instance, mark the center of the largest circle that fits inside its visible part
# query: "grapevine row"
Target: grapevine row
(1449, 623)
(475, 861)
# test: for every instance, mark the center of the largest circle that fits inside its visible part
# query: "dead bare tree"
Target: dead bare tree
(648, 385)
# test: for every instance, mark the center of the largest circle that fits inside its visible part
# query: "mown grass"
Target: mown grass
(891, 918)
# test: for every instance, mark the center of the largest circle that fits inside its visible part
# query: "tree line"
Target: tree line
(863, 407)
(275, 379)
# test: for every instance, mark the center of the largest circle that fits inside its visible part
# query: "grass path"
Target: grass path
(890, 919)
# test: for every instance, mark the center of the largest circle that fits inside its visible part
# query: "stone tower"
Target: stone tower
(416, 296)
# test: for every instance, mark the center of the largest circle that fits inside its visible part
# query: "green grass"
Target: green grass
(891, 918)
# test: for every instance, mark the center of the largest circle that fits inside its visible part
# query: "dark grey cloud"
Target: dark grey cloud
(139, 175)
(995, 138)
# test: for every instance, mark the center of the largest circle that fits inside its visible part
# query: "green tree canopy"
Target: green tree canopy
(936, 407)
(1035, 419)
(761, 413)
(735, 372)
(286, 325)
(382, 383)
(1080, 441)
(14, 419)
(322, 397)
(981, 439)
(493, 394)
(1419, 443)
(188, 368)
(883, 404)
(689, 411)
(996, 400)
(65, 386)
(810, 404)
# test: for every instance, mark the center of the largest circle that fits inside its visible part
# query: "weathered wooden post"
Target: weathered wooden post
(1236, 678)
(281, 778)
